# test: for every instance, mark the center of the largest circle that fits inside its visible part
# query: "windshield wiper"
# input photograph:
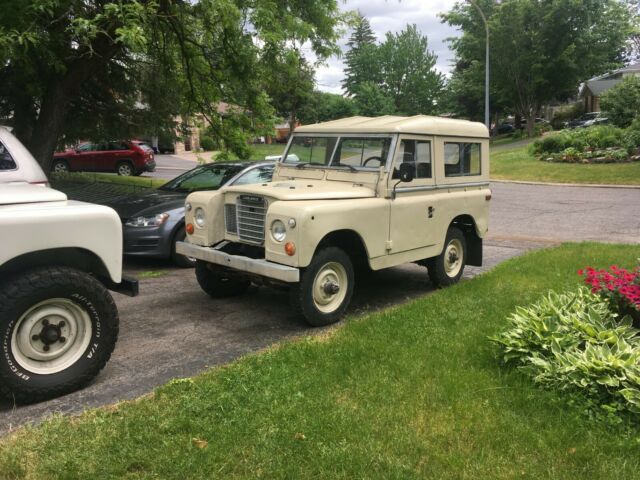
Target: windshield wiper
(344, 165)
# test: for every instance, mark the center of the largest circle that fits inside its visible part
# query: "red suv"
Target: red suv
(124, 158)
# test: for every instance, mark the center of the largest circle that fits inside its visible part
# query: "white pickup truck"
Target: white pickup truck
(58, 258)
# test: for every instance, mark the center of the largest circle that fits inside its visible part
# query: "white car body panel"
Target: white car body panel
(27, 169)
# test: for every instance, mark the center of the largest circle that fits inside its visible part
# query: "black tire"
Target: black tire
(444, 270)
(327, 260)
(216, 283)
(125, 169)
(59, 166)
(20, 298)
(181, 261)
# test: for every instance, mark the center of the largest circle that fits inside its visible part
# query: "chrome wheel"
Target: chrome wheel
(59, 167)
(330, 287)
(453, 256)
(125, 170)
(51, 336)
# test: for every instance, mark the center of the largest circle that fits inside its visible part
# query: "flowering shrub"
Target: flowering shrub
(620, 287)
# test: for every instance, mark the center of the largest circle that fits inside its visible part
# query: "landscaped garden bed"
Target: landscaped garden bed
(415, 391)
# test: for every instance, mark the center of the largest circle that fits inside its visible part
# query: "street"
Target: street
(175, 330)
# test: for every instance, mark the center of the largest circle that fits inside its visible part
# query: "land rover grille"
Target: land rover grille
(246, 218)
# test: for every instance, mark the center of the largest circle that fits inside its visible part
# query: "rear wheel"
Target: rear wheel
(60, 166)
(125, 169)
(59, 327)
(217, 283)
(325, 288)
(448, 267)
(178, 259)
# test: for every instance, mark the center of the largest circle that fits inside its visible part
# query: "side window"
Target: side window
(418, 153)
(86, 147)
(6, 160)
(118, 146)
(461, 159)
(256, 175)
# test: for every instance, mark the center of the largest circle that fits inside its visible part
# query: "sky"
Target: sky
(394, 15)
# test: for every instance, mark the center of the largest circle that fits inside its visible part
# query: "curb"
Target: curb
(553, 184)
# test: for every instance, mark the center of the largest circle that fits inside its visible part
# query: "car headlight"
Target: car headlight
(147, 221)
(198, 217)
(278, 231)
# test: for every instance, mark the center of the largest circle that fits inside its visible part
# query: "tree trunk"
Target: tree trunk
(531, 125)
(292, 122)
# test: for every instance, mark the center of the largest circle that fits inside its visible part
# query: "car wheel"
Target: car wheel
(217, 283)
(448, 267)
(60, 166)
(325, 288)
(59, 327)
(181, 260)
(124, 169)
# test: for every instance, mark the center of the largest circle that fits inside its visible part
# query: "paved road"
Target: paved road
(170, 166)
(174, 330)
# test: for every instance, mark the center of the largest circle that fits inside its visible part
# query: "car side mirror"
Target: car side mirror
(407, 172)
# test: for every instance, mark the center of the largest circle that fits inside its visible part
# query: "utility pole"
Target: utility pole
(487, 120)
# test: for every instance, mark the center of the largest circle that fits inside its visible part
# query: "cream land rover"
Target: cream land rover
(348, 195)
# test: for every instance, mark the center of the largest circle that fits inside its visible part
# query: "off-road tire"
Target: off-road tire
(21, 292)
(302, 293)
(60, 166)
(216, 283)
(439, 267)
(179, 260)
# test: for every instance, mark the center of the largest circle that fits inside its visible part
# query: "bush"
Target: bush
(207, 143)
(622, 102)
(574, 343)
(591, 138)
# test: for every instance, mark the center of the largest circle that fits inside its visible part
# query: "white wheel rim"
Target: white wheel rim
(124, 170)
(330, 287)
(453, 255)
(51, 336)
(59, 167)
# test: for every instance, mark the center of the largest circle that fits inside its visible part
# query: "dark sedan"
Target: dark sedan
(154, 221)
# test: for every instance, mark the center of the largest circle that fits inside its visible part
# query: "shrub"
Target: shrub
(601, 136)
(631, 140)
(550, 144)
(574, 343)
(207, 143)
(622, 102)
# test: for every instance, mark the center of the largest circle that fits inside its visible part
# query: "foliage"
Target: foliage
(324, 106)
(540, 51)
(622, 102)
(596, 137)
(619, 286)
(207, 143)
(72, 69)
(561, 117)
(361, 63)
(371, 100)
(573, 342)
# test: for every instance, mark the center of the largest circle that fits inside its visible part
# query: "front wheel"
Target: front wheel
(59, 327)
(217, 283)
(325, 288)
(447, 268)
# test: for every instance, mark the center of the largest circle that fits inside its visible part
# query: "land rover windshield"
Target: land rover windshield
(356, 152)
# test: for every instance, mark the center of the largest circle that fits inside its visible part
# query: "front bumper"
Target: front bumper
(150, 166)
(259, 267)
(147, 241)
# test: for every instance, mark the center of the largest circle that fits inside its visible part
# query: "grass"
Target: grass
(151, 274)
(89, 177)
(410, 392)
(519, 164)
(258, 152)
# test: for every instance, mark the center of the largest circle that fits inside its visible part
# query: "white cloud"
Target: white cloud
(393, 16)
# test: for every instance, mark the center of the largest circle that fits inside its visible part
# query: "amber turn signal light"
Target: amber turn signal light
(189, 228)
(290, 248)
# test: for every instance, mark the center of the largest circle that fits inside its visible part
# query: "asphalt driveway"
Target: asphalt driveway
(174, 330)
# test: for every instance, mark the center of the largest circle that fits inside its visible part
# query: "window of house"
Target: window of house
(461, 159)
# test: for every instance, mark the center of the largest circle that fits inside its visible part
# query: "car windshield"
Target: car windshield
(205, 177)
(353, 151)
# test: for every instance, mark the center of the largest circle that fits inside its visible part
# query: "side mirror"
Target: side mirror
(407, 172)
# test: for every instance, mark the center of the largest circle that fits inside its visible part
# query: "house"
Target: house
(592, 89)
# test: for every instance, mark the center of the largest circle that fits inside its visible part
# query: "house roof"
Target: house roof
(598, 87)
(420, 124)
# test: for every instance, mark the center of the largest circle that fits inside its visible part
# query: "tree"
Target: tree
(541, 50)
(324, 106)
(408, 74)
(68, 66)
(361, 62)
(372, 101)
(622, 102)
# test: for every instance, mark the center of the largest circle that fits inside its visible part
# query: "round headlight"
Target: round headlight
(278, 231)
(198, 217)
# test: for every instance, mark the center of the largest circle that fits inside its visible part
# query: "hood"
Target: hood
(11, 194)
(147, 203)
(306, 190)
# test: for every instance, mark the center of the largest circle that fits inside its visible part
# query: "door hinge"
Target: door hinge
(388, 245)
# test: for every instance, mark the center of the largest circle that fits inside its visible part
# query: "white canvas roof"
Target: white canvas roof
(418, 124)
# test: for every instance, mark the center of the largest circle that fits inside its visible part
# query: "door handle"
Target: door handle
(430, 212)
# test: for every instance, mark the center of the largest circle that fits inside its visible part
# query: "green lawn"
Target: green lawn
(410, 392)
(89, 177)
(258, 152)
(519, 164)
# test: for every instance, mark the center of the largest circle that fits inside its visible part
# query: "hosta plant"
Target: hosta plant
(573, 342)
